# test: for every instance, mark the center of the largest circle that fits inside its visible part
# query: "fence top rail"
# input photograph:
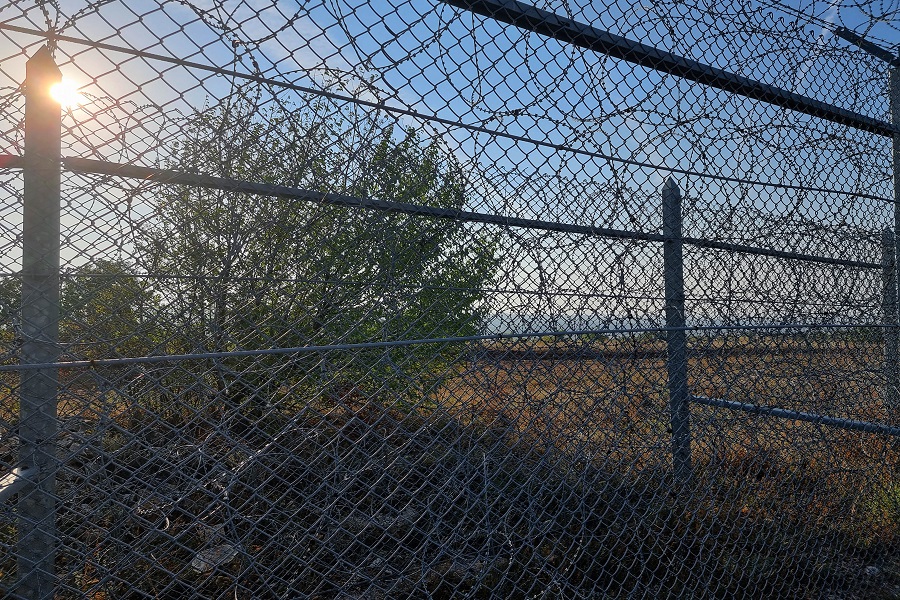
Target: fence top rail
(530, 18)
(167, 176)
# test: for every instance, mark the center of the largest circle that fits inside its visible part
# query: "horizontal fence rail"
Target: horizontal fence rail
(552, 25)
(166, 176)
(794, 415)
(108, 362)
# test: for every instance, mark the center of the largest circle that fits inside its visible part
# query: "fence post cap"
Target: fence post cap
(42, 59)
(670, 185)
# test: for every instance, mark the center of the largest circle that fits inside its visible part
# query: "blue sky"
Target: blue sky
(436, 60)
(474, 70)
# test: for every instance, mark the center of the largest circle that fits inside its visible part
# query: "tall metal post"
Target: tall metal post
(676, 337)
(889, 316)
(894, 85)
(40, 330)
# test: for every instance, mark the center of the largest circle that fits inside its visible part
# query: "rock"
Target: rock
(209, 559)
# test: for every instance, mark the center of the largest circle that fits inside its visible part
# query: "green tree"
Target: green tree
(247, 271)
(106, 311)
(10, 304)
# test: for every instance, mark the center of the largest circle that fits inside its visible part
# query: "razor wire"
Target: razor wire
(380, 300)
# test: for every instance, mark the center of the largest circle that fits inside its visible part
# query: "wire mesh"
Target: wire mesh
(368, 300)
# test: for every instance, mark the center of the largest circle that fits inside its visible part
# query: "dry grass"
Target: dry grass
(615, 409)
(578, 491)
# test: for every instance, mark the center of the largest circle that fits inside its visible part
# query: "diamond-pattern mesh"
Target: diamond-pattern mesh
(368, 299)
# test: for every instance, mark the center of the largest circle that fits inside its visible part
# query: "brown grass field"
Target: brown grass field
(614, 409)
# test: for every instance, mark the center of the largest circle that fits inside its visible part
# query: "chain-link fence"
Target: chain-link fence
(450, 298)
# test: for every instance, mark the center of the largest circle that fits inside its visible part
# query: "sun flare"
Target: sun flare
(66, 93)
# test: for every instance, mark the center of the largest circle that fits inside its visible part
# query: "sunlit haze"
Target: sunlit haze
(66, 93)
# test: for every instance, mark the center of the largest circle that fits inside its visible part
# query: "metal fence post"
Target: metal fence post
(889, 312)
(892, 399)
(676, 337)
(40, 329)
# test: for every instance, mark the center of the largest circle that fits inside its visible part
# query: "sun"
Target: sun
(66, 93)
